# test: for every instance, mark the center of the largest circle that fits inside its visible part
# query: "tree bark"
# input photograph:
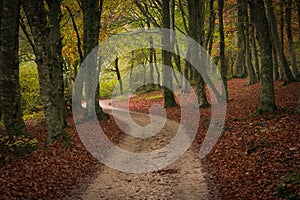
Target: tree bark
(196, 32)
(49, 74)
(55, 57)
(298, 13)
(169, 99)
(254, 48)
(267, 96)
(91, 28)
(211, 29)
(275, 64)
(9, 69)
(288, 76)
(251, 72)
(240, 60)
(119, 76)
(288, 19)
(223, 63)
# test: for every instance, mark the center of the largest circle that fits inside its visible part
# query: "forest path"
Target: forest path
(183, 179)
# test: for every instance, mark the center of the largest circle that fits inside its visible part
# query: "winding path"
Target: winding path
(183, 179)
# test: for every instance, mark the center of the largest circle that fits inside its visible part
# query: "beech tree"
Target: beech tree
(288, 77)
(196, 32)
(169, 99)
(288, 18)
(46, 38)
(91, 29)
(267, 96)
(223, 63)
(9, 69)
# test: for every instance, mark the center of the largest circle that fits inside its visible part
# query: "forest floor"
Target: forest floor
(255, 158)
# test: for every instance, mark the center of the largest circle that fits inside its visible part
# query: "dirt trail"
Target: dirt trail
(183, 179)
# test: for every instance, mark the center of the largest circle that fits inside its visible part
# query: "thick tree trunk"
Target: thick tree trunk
(223, 63)
(9, 69)
(169, 99)
(91, 28)
(267, 96)
(56, 58)
(288, 18)
(49, 77)
(196, 32)
(279, 48)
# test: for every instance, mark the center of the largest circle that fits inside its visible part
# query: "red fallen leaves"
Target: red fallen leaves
(253, 154)
(50, 171)
(249, 161)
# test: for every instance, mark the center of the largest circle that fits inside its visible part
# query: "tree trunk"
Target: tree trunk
(196, 32)
(55, 57)
(253, 47)
(173, 36)
(288, 18)
(251, 72)
(49, 77)
(9, 69)
(267, 97)
(223, 63)
(151, 55)
(279, 48)
(298, 12)
(119, 76)
(275, 64)
(240, 58)
(186, 67)
(169, 99)
(210, 33)
(91, 28)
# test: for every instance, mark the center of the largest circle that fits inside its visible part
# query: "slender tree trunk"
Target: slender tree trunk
(275, 64)
(240, 60)
(78, 89)
(253, 47)
(173, 35)
(222, 46)
(9, 69)
(151, 55)
(210, 33)
(267, 96)
(169, 99)
(251, 72)
(279, 48)
(298, 12)
(119, 76)
(1, 11)
(288, 17)
(91, 28)
(186, 67)
(49, 75)
(131, 70)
